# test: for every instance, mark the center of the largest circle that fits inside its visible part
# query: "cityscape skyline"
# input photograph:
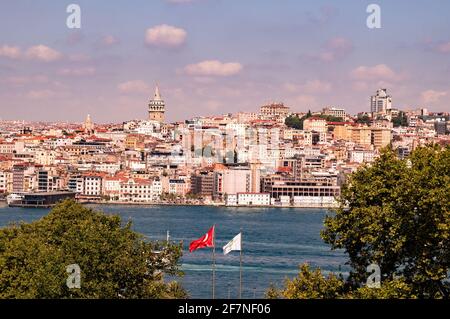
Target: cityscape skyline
(215, 149)
(319, 55)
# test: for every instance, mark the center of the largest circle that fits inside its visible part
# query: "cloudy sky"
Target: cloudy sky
(218, 56)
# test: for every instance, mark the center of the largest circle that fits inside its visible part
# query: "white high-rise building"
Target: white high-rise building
(381, 102)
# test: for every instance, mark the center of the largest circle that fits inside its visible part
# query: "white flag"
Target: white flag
(234, 244)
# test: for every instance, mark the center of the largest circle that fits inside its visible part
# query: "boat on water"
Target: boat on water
(38, 199)
(13, 199)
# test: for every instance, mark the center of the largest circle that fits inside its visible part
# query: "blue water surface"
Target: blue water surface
(275, 242)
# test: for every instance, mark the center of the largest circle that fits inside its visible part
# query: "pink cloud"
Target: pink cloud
(305, 101)
(443, 47)
(335, 49)
(310, 87)
(213, 68)
(11, 52)
(40, 94)
(136, 86)
(43, 53)
(22, 80)
(165, 36)
(371, 73)
(317, 86)
(77, 71)
(360, 86)
(432, 96)
(79, 57)
(109, 40)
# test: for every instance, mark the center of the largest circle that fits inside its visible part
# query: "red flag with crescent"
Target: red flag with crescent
(207, 240)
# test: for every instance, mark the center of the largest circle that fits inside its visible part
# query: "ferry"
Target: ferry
(38, 199)
(13, 199)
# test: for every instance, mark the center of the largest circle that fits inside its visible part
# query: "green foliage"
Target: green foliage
(331, 118)
(364, 119)
(400, 120)
(309, 285)
(312, 284)
(393, 289)
(295, 122)
(396, 213)
(115, 261)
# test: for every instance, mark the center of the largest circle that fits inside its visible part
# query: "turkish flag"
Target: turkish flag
(207, 240)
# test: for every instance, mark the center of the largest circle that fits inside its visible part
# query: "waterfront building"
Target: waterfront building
(253, 199)
(43, 181)
(203, 183)
(92, 185)
(111, 187)
(140, 190)
(75, 184)
(232, 181)
(231, 200)
(18, 173)
(41, 199)
(178, 187)
(4, 181)
(321, 186)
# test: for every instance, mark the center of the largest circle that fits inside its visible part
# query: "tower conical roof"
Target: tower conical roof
(157, 93)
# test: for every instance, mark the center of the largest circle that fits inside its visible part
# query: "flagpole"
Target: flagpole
(240, 269)
(214, 263)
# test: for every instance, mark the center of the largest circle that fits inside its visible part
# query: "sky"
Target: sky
(212, 57)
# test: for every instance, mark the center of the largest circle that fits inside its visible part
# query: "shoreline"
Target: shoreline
(116, 203)
(200, 205)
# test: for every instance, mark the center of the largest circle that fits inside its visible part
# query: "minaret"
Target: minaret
(156, 107)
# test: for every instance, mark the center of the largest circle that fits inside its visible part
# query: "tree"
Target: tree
(295, 122)
(396, 213)
(400, 120)
(115, 261)
(309, 285)
(312, 284)
(393, 289)
(331, 118)
(363, 119)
